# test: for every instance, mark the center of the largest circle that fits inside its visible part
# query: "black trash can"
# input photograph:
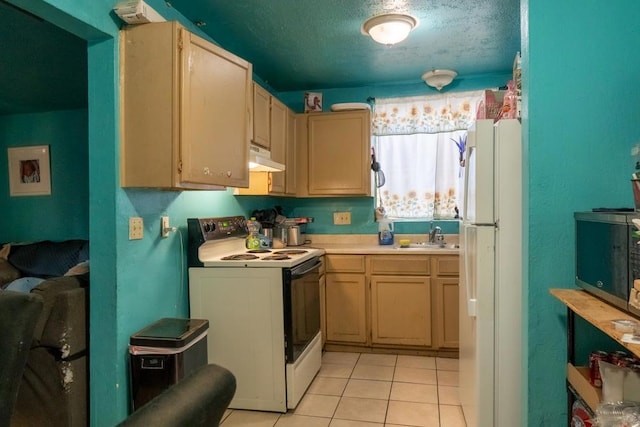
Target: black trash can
(164, 353)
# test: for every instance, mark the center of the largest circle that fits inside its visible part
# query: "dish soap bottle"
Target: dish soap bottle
(252, 241)
(385, 232)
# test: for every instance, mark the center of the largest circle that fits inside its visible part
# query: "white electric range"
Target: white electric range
(263, 308)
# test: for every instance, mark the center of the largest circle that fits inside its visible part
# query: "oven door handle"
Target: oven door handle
(298, 274)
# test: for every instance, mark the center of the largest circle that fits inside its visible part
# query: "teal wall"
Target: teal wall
(581, 116)
(65, 213)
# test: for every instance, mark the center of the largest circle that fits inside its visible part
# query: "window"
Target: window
(419, 143)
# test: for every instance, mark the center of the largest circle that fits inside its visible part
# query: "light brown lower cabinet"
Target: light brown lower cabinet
(445, 291)
(401, 310)
(446, 310)
(392, 301)
(346, 307)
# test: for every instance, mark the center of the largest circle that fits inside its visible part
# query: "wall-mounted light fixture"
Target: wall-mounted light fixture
(439, 78)
(389, 28)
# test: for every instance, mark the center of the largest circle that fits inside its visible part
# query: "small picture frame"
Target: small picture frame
(29, 171)
(312, 102)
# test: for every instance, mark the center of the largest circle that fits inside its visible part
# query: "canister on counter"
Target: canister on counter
(594, 369)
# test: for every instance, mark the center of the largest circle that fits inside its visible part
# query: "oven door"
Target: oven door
(301, 307)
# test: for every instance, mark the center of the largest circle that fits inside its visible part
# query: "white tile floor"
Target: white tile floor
(363, 389)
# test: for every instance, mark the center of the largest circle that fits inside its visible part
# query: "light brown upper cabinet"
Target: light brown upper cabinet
(186, 110)
(336, 150)
(290, 175)
(278, 138)
(261, 117)
(279, 135)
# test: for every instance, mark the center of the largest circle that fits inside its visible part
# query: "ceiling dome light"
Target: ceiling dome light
(390, 28)
(439, 78)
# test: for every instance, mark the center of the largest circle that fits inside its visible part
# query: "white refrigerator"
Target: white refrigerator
(490, 374)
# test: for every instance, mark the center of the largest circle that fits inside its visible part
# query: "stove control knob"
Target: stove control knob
(209, 227)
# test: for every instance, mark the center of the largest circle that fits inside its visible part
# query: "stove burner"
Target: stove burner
(243, 257)
(258, 251)
(276, 257)
(292, 252)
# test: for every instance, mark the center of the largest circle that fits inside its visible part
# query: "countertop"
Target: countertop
(367, 244)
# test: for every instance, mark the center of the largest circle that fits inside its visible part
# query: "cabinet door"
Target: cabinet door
(215, 114)
(446, 312)
(291, 162)
(186, 105)
(338, 151)
(261, 106)
(401, 310)
(278, 135)
(302, 155)
(346, 308)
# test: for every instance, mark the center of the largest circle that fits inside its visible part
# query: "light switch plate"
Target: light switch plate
(342, 218)
(136, 228)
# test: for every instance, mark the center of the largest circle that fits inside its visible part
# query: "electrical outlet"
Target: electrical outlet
(342, 218)
(164, 226)
(136, 228)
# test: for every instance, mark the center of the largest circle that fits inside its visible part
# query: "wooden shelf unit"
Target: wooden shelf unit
(597, 312)
(600, 314)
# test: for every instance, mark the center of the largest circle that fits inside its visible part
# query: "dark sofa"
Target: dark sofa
(54, 386)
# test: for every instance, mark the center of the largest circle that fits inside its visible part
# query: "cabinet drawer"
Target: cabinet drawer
(345, 263)
(446, 265)
(415, 265)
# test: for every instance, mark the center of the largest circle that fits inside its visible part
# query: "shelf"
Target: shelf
(578, 377)
(597, 312)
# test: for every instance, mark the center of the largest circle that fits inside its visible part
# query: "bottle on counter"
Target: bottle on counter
(253, 240)
(385, 232)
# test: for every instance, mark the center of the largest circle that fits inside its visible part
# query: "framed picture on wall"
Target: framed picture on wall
(29, 171)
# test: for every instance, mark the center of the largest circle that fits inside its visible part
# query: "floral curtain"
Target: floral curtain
(420, 143)
(425, 114)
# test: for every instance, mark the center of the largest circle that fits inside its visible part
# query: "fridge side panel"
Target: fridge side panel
(508, 299)
(476, 299)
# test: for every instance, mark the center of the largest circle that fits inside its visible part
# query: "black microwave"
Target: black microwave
(608, 256)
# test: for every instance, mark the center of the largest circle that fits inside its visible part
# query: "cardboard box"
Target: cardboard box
(578, 377)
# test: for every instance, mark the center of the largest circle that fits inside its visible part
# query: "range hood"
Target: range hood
(260, 160)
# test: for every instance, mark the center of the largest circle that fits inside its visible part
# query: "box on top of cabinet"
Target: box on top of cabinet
(312, 102)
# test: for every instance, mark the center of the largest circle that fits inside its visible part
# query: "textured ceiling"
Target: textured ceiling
(292, 44)
(311, 44)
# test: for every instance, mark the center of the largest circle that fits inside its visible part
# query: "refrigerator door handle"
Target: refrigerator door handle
(471, 300)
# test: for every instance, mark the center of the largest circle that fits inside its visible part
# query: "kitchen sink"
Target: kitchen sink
(428, 245)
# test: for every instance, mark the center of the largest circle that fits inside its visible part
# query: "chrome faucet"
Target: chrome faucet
(433, 233)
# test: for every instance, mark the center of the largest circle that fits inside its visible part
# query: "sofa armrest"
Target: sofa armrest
(200, 399)
(63, 323)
